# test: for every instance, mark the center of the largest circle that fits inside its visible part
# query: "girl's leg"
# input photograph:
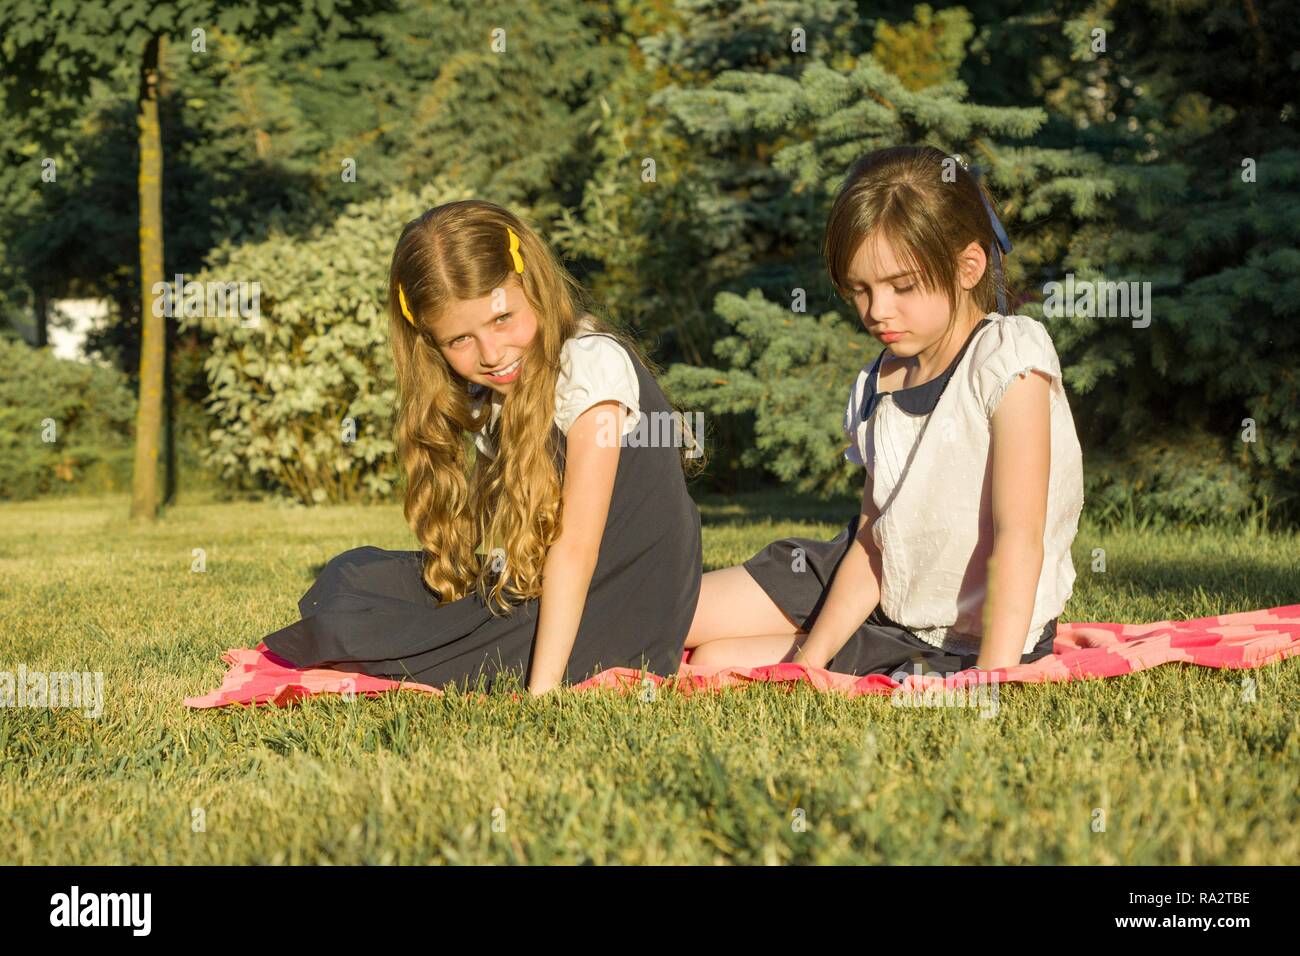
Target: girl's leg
(747, 651)
(732, 604)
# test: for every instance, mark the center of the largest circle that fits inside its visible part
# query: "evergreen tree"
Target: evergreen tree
(1193, 111)
(677, 212)
(1196, 109)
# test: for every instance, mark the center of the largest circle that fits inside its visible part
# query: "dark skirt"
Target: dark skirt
(879, 646)
(370, 612)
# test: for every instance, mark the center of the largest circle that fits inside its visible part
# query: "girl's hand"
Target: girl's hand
(541, 690)
(809, 661)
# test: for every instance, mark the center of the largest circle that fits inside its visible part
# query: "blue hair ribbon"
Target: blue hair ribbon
(1003, 241)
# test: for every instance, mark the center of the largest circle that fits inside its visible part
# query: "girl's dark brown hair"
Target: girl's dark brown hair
(928, 206)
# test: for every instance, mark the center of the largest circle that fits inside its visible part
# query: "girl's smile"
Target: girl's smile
(507, 374)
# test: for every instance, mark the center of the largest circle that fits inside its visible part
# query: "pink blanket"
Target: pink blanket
(1248, 639)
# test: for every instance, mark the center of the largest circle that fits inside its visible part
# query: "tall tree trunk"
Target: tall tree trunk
(153, 350)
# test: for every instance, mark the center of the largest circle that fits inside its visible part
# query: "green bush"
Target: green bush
(65, 427)
(1185, 476)
(284, 388)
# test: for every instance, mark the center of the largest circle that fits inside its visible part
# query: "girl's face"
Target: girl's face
(891, 302)
(491, 334)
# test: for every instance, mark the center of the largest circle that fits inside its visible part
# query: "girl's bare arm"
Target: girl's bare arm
(591, 463)
(1022, 458)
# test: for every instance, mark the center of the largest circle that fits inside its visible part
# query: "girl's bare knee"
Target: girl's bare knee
(732, 604)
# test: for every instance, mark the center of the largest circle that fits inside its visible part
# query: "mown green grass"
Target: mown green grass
(1189, 765)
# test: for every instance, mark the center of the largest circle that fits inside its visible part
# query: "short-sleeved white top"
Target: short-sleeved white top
(932, 483)
(593, 369)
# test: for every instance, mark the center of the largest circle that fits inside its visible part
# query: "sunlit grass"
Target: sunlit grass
(1181, 764)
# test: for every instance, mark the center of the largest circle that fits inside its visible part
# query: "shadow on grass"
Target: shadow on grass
(719, 511)
(1256, 584)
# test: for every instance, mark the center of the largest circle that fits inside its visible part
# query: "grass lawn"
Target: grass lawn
(1178, 764)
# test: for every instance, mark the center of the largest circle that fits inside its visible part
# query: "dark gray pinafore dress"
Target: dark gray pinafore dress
(370, 611)
(879, 646)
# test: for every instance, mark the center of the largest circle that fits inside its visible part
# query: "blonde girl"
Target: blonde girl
(556, 541)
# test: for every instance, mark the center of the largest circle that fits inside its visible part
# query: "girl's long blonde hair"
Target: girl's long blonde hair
(457, 252)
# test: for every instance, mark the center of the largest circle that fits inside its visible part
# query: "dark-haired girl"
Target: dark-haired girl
(960, 555)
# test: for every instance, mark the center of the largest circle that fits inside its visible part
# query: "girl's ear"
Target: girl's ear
(971, 263)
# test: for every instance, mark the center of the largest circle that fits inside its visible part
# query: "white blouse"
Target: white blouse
(932, 483)
(593, 369)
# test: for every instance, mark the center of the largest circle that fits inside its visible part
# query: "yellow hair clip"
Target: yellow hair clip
(406, 309)
(514, 250)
